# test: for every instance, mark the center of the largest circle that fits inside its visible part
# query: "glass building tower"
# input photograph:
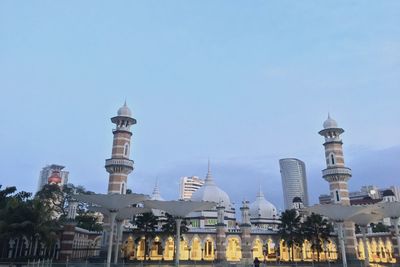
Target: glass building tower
(294, 181)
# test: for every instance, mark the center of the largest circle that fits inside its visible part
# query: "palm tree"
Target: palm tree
(317, 230)
(146, 225)
(290, 230)
(169, 228)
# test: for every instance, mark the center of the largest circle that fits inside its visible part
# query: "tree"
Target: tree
(169, 228)
(379, 228)
(88, 221)
(317, 230)
(58, 200)
(21, 216)
(290, 230)
(145, 225)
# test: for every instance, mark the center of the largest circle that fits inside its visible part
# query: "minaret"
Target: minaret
(337, 175)
(119, 165)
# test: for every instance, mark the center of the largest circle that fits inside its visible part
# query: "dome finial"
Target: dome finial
(124, 111)
(329, 122)
(209, 176)
(260, 192)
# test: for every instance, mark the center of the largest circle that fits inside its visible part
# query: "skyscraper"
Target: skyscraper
(188, 185)
(48, 170)
(294, 181)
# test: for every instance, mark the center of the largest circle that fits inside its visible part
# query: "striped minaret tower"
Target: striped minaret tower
(119, 165)
(337, 175)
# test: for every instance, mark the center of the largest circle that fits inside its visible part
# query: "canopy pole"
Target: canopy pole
(178, 240)
(118, 238)
(366, 250)
(341, 240)
(113, 214)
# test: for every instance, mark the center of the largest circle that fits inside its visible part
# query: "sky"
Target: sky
(243, 83)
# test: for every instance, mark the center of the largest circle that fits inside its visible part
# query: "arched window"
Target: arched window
(337, 196)
(123, 188)
(332, 159)
(126, 150)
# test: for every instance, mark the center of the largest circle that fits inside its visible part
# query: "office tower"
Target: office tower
(48, 170)
(294, 181)
(188, 185)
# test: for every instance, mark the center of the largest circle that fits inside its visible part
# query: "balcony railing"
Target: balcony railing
(336, 171)
(119, 162)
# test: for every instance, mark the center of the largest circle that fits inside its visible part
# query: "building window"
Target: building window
(337, 196)
(126, 150)
(331, 159)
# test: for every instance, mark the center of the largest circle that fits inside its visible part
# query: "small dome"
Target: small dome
(388, 193)
(209, 191)
(124, 111)
(54, 178)
(297, 200)
(330, 123)
(261, 208)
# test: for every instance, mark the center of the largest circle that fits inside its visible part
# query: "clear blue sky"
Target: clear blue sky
(242, 82)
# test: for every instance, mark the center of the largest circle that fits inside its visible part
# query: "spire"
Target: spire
(209, 178)
(156, 192)
(260, 192)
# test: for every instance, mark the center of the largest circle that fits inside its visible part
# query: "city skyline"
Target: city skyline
(241, 85)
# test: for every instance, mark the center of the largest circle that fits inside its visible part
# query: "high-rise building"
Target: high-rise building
(294, 181)
(119, 165)
(188, 185)
(48, 170)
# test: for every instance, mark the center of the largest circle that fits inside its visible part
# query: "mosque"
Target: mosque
(216, 234)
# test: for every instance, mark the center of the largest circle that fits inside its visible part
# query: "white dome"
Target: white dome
(330, 123)
(209, 191)
(124, 111)
(261, 208)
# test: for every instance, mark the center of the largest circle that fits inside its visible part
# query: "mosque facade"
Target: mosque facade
(216, 234)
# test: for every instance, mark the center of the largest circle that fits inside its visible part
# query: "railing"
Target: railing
(119, 162)
(335, 171)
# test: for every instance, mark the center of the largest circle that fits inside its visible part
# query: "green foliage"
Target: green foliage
(290, 230)
(88, 221)
(20, 215)
(169, 226)
(58, 199)
(316, 230)
(146, 225)
(379, 228)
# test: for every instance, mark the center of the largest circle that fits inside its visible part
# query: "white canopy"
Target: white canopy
(112, 202)
(389, 209)
(122, 214)
(179, 208)
(338, 212)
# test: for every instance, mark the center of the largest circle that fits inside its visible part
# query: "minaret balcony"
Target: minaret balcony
(127, 163)
(336, 171)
